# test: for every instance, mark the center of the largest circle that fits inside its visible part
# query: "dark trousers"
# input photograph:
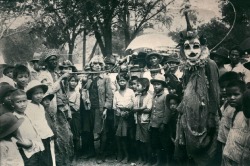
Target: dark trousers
(160, 139)
(33, 160)
(46, 158)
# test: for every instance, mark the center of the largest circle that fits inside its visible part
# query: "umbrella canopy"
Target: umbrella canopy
(153, 41)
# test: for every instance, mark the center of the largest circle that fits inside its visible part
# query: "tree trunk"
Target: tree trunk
(71, 49)
(108, 39)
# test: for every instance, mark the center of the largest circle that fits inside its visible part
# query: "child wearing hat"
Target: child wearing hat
(29, 141)
(21, 75)
(160, 116)
(9, 154)
(36, 113)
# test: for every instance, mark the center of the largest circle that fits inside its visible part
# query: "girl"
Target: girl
(74, 103)
(122, 104)
(142, 108)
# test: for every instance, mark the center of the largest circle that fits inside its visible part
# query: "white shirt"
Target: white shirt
(126, 100)
(36, 114)
(28, 133)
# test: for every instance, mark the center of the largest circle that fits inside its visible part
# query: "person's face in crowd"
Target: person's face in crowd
(108, 66)
(36, 65)
(173, 104)
(133, 85)
(218, 60)
(52, 62)
(96, 66)
(158, 87)
(223, 93)
(22, 79)
(172, 90)
(122, 83)
(173, 67)
(9, 73)
(66, 69)
(153, 60)
(37, 95)
(234, 96)
(72, 83)
(140, 88)
(20, 103)
(7, 100)
(46, 102)
(235, 56)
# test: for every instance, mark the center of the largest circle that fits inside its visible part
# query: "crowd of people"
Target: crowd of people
(52, 115)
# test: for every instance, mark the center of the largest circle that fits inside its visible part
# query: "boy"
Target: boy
(236, 151)
(8, 75)
(160, 116)
(9, 154)
(5, 91)
(21, 75)
(28, 140)
(36, 113)
(142, 109)
(133, 83)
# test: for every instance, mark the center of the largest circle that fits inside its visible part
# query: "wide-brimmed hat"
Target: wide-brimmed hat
(159, 78)
(4, 90)
(159, 56)
(36, 57)
(48, 95)
(222, 53)
(8, 124)
(35, 84)
(110, 60)
(67, 63)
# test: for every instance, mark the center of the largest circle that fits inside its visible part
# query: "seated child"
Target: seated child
(36, 113)
(21, 75)
(142, 109)
(9, 154)
(122, 104)
(28, 140)
(236, 151)
(160, 116)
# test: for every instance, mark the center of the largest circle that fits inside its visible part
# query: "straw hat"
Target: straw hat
(159, 78)
(49, 95)
(35, 84)
(8, 124)
(36, 57)
(51, 52)
(67, 63)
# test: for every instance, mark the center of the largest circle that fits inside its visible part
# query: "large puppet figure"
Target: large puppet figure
(198, 109)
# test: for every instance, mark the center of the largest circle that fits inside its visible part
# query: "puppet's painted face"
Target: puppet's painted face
(192, 49)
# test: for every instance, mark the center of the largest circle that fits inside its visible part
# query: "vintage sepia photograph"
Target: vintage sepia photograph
(124, 82)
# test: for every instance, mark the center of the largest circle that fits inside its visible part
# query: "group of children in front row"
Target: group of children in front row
(24, 121)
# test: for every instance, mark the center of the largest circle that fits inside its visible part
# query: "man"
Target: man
(235, 56)
(35, 67)
(220, 56)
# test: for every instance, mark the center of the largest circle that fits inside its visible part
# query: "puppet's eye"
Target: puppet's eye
(196, 46)
(187, 47)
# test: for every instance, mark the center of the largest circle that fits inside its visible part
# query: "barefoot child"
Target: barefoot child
(9, 154)
(142, 109)
(122, 104)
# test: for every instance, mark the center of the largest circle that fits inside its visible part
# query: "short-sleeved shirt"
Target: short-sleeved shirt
(28, 133)
(226, 122)
(238, 142)
(9, 154)
(126, 100)
(146, 103)
(36, 114)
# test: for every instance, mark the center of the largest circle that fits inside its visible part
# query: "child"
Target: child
(28, 140)
(122, 104)
(160, 116)
(74, 103)
(5, 104)
(21, 75)
(133, 83)
(236, 151)
(8, 75)
(36, 113)
(9, 154)
(172, 102)
(142, 109)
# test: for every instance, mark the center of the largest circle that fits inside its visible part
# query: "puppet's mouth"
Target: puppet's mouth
(192, 55)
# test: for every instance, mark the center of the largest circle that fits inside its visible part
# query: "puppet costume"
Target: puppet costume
(197, 120)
